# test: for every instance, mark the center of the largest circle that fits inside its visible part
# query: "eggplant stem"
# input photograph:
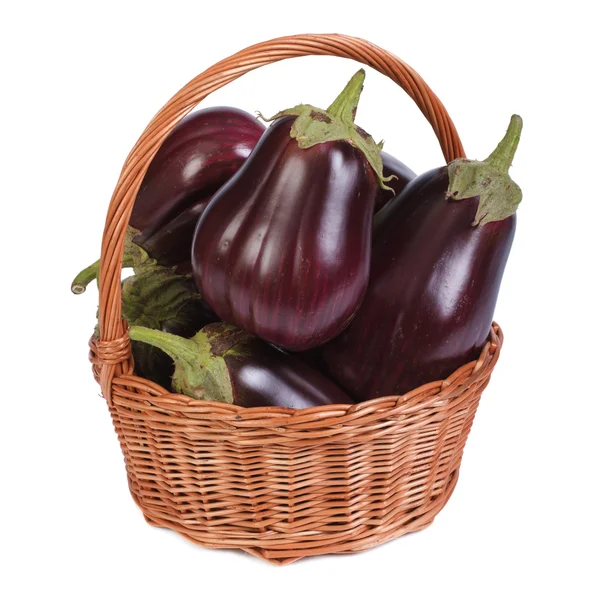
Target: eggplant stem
(345, 105)
(177, 347)
(501, 158)
(133, 256)
(85, 277)
(499, 196)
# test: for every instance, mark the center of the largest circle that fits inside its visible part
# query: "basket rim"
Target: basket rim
(156, 397)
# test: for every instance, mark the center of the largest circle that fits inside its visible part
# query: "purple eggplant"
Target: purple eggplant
(439, 252)
(193, 162)
(225, 364)
(283, 249)
(154, 296)
(159, 298)
(402, 175)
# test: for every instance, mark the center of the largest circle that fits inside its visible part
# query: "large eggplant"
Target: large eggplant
(193, 162)
(225, 364)
(439, 252)
(402, 176)
(283, 249)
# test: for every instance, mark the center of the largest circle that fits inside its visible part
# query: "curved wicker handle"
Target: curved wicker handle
(113, 348)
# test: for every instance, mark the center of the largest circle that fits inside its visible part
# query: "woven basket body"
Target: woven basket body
(278, 483)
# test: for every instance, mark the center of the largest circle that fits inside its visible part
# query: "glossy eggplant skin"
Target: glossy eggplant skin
(283, 249)
(262, 375)
(403, 175)
(205, 149)
(430, 302)
(171, 244)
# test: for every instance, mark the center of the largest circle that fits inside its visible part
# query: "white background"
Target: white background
(81, 80)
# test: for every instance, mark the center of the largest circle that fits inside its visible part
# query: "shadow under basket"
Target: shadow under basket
(278, 483)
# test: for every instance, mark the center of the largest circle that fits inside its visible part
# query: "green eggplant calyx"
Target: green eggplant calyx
(156, 295)
(499, 195)
(133, 256)
(316, 126)
(198, 372)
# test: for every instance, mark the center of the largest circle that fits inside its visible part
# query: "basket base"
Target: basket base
(284, 555)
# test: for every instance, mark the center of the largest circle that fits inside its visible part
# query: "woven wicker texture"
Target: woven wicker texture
(278, 483)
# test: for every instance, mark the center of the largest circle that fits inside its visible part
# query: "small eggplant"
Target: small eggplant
(157, 297)
(193, 162)
(439, 252)
(153, 296)
(283, 249)
(225, 364)
(150, 278)
(402, 176)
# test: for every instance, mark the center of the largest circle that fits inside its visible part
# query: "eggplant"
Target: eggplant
(157, 297)
(402, 175)
(203, 151)
(283, 249)
(225, 364)
(439, 253)
(154, 296)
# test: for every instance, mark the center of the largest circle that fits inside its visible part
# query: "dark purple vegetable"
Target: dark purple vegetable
(157, 297)
(402, 176)
(283, 249)
(193, 162)
(225, 364)
(439, 252)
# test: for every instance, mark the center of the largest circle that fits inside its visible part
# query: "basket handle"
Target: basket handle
(112, 349)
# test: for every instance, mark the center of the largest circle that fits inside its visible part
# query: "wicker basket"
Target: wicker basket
(278, 483)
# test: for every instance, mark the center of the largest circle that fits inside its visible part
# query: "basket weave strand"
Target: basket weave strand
(275, 482)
